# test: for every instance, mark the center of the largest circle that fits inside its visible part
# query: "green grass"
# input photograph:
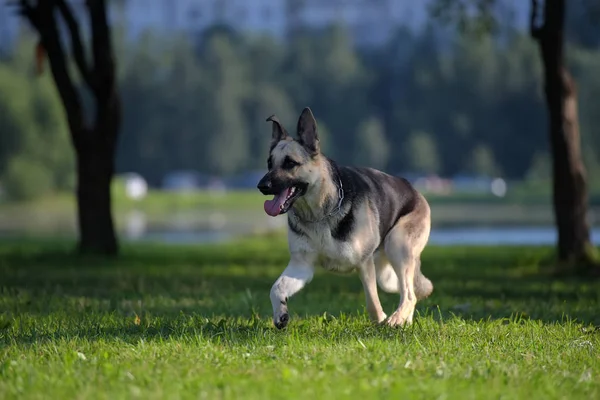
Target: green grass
(195, 322)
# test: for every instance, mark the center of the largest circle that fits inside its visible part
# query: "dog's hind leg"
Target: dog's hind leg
(297, 274)
(369, 281)
(423, 286)
(403, 247)
(387, 280)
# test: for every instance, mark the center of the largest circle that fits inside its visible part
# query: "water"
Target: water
(185, 237)
(475, 236)
(217, 227)
(207, 226)
(531, 236)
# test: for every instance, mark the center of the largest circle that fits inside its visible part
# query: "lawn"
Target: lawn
(194, 322)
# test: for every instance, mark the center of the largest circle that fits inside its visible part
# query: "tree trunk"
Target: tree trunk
(95, 169)
(569, 187)
(95, 144)
(570, 195)
(94, 176)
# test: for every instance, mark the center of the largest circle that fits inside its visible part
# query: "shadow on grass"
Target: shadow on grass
(194, 329)
(231, 283)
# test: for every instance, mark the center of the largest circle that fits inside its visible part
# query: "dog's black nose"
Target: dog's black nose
(264, 185)
(283, 321)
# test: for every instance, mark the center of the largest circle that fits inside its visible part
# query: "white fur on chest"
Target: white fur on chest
(329, 253)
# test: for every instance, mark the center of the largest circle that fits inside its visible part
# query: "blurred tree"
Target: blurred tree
(422, 153)
(372, 148)
(541, 168)
(585, 64)
(569, 175)
(482, 161)
(26, 178)
(226, 145)
(94, 142)
(32, 128)
(325, 71)
(547, 26)
(582, 23)
(198, 102)
(268, 99)
(170, 88)
(145, 88)
(182, 107)
(267, 96)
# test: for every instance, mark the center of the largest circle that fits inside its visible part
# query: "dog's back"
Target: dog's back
(392, 197)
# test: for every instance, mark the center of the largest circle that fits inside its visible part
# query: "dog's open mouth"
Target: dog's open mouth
(282, 202)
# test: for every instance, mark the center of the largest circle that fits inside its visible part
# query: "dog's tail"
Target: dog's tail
(423, 286)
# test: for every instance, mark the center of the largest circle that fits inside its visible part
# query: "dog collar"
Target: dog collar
(333, 212)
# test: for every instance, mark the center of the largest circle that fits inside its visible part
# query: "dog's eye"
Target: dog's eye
(288, 163)
(269, 163)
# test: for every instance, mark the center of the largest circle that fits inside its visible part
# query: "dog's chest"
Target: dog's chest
(334, 255)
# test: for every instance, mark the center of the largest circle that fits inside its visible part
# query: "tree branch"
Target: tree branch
(77, 46)
(41, 17)
(554, 15)
(28, 12)
(104, 63)
(535, 31)
(553, 18)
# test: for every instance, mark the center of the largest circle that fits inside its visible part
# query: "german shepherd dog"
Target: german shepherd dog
(344, 219)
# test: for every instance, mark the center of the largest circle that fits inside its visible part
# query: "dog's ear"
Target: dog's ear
(279, 132)
(307, 132)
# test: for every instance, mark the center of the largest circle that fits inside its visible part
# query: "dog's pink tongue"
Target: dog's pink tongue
(272, 207)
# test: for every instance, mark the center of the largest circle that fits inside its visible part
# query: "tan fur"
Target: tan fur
(403, 247)
(395, 267)
(313, 170)
(387, 279)
(392, 268)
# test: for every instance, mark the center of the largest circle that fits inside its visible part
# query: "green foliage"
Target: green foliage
(26, 179)
(195, 322)
(482, 162)
(541, 168)
(471, 17)
(422, 153)
(372, 147)
(461, 104)
(35, 154)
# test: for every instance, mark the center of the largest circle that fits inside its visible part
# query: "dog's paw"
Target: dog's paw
(379, 320)
(399, 319)
(282, 321)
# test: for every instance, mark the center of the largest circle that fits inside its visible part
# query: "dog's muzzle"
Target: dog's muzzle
(265, 185)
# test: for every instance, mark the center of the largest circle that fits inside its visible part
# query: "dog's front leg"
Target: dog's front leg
(297, 274)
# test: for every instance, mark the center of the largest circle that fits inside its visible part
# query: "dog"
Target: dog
(344, 219)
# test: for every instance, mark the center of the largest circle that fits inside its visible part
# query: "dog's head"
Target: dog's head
(293, 164)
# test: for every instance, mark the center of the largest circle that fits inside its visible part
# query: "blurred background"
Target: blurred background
(462, 116)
